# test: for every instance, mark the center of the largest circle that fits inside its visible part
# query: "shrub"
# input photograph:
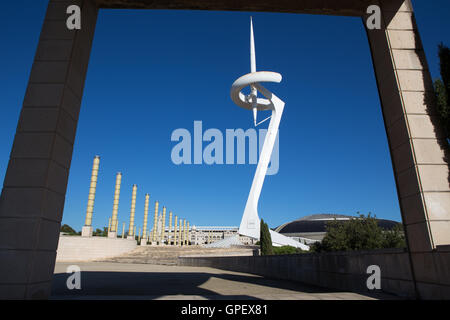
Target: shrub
(361, 233)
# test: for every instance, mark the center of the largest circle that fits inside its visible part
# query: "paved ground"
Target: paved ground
(109, 280)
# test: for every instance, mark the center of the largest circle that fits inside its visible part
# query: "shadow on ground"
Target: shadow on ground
(152, 285)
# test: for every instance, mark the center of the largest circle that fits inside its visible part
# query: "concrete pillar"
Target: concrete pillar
(175, 232)
(113, 232)
(40, 159)
(163, 227)
(419, 151)
(187, 236)
(155, 223)
(144, 235)
(180, 238)
(169, 237)
(86, 231)
(132, 230)
(184, 232)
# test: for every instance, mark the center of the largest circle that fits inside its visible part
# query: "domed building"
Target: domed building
(312, 228)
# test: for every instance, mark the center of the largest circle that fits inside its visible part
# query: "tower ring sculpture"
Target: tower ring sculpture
(250, 222)
(253, 79)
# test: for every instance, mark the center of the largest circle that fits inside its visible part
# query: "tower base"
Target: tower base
(112, 234)
(86, 231)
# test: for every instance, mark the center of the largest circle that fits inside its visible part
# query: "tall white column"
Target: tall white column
(169, 237)
(144, 228)
(86, 231)
(175, 232)
(113, 230)
(132, 229)
(155, 224)
(163, 228)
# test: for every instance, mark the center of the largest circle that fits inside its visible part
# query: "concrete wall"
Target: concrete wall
(75, 248)
(343, 271)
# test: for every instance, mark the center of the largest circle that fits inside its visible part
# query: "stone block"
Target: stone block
(418, 102)
(49, 71)
(400, 21)
(14, 268)
(43, 95)
(429, 151)
(408, 59)
(398, 133)
(403, 39)
(440, 231)
(419, 237)
(434, 177)
(33, 145)
(423, 126)
(87, 231)
(437, 205)
(407, 183)
(402, 157)
(54, 50)
(26, 203)
(413, 209)
(43, 266)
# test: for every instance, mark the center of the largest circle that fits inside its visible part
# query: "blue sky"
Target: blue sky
(152, 72)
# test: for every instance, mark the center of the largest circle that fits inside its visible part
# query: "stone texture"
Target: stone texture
(32, 198)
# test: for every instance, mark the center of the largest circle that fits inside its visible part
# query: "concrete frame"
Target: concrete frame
(32, 199)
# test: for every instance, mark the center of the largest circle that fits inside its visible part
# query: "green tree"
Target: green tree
(100, 233)
(361, 233)
(265, 239)
(442, 88)
(68, 229)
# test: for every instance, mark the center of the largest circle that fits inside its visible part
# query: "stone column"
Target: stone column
(86, 231)
(144, 235)
(175, 232)
(180, 232)
(123, 230)
(39, 163)
(113, 232)
(184, 232)
(417, 144)
(163, 228)
(169, 237)
(132, 231)
(155, 223)
(187, 236)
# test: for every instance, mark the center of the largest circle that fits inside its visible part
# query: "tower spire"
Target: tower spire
(254, 92)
